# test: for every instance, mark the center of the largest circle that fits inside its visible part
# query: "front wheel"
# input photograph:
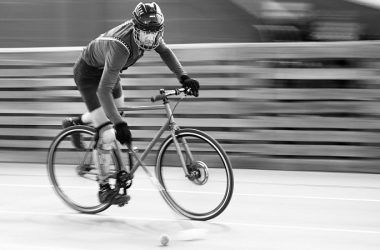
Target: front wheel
(206, 190)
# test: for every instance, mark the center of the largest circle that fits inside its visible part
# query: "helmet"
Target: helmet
(148, 25)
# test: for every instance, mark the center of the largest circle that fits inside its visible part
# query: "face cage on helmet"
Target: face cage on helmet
(138, 32)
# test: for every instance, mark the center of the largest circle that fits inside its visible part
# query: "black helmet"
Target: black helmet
(148, 25)
(148, 17)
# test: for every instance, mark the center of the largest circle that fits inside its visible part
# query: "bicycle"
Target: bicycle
(187, 161)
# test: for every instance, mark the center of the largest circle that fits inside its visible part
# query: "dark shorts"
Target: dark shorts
(87, 79)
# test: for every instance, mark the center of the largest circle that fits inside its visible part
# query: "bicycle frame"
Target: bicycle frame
(195, 152)
(171, 125)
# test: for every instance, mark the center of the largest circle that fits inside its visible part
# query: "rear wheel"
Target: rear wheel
(72, 171)
(207, 190)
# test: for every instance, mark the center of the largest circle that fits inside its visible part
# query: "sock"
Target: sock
(86, 117)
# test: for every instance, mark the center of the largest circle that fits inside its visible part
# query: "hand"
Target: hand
(191, 84)
(123, 134)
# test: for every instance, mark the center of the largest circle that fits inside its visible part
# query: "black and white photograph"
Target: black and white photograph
(190, 124)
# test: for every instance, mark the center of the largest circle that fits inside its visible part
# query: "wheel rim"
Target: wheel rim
(224, 196)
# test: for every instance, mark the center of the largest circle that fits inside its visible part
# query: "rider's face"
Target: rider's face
(147, 38)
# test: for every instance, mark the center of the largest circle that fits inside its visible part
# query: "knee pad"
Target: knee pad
(107, 135)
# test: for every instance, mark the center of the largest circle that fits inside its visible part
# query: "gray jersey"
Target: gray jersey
(114, 51)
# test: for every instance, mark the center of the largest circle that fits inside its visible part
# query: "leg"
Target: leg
(118, 96)
(87, 79)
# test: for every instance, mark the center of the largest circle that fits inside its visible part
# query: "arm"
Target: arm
(175, 66)
(115, 59)
(170, 59)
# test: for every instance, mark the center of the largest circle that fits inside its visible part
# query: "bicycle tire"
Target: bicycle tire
(52, 166)
(201, 139)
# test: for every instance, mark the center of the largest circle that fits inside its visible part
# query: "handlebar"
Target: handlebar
(165, 93)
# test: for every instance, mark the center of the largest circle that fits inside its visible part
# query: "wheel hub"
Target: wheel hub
(198, 173)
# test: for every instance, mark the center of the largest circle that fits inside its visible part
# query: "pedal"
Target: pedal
(124, 202)
(123, 182)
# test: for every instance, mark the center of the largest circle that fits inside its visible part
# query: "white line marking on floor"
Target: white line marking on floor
(208, 193)
(34, 247)
(226, 223)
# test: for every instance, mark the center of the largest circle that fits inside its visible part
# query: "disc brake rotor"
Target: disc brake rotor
(199, 173)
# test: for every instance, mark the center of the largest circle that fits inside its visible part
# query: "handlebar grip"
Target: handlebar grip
(157, 98)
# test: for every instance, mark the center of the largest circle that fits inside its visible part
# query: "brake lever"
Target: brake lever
(188, 92)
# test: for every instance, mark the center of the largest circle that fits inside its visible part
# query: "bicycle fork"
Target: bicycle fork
(180, 154)
(174, 128)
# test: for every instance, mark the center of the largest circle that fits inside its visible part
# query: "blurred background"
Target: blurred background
(26, 23)
(288, 85)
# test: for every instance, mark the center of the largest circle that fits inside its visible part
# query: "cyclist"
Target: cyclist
(97, 76)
